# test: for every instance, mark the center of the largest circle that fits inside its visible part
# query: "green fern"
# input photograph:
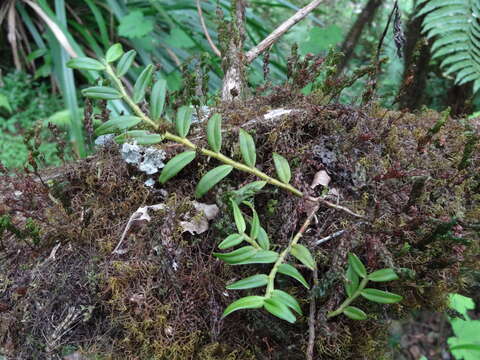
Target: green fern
(455, 26)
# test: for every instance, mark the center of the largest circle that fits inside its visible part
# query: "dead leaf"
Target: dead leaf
(321, 178)
(198, 223)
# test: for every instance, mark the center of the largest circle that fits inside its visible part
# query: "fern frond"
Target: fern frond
(455, 27)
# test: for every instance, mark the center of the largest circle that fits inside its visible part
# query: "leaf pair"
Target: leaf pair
(357, 270)
(248, 255)
(279, 303)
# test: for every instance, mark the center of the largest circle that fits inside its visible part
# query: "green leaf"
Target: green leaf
(211, 178)
(319, 39)
(135, 25)
(282, 168)
(85, 63)
(214, 132)
(249, 282)
(289, 270)
(142, 83)
(352, 281)
(383, 275)
(237, 215)
(473, 347)
(184, 120)
(101, 92)
(125, 62)
(117, 123)
(238, 255)
(263, 239)
(260, 257)
(357, 265)
(255, 226)
(230, 241)
(287, 300)
(175, 165)
(248, 190)
(4, 103)
(379, 296)
(249, 302)
(179, 39)
(157, 99)
(247, 148)
(303, 255)
(142, 137)
(114, 53)
(354, 313)
(280, 310)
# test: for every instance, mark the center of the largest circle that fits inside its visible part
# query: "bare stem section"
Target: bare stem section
(279, 31)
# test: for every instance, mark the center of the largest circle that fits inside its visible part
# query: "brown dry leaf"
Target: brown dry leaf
(198, 224)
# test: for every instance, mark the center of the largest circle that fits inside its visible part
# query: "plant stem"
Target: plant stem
(239, 166)
(349, 300)
(169, 136)
(136, 109)
(286, 251)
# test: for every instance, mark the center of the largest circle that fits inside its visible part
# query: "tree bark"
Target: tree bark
(233, 61)
(416, 59)
(365, 17)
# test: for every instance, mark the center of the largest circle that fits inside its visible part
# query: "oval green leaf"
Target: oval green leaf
(248, 190)
(282, 168)
(352, 281)
(125, 62)
(473, 347)
(211, 178)
(101, 92)
(238, 217)
(237, 255)
(142, 137)
(85, 63)
(289, 270)
(247, 148)
(357, 265)
(117, 123)
(260, 257)
(157, 99)
(263, 239)
(354, 313)
(230, 241)
(114, 53)
(249, 282)
(279, 309)
(214, 132)
(383, 275)
(248, 302)
(175, 165)
(142, 83)
(184, 120)
(287, 300)
(255, 226)
(379, 296)
(303, 255)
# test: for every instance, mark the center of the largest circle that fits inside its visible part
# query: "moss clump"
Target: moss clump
(163, 297)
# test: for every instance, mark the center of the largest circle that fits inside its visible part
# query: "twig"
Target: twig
(205, 30)
(311, 318)
(329, 237)
(252, 54)
(335, 206)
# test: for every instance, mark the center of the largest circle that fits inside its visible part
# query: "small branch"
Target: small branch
(349, 300)
(335, 206)
(205, 30)
(284, 253)
(311, 319)
(329, 237)
(282, 29)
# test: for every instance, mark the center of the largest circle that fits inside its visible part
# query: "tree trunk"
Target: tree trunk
(233, 61)
(416, 59)
(365, 17)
